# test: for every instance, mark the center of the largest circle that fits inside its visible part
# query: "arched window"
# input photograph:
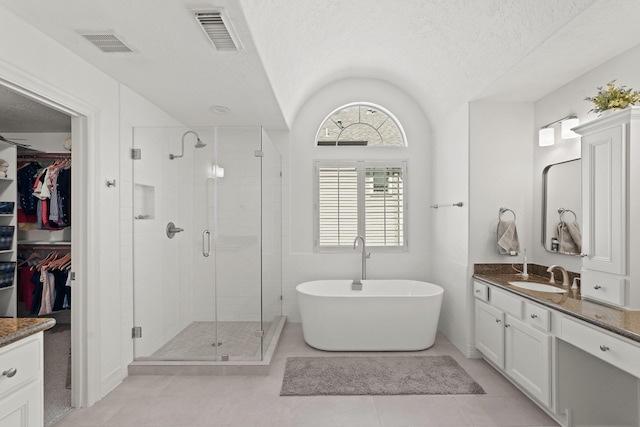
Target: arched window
(360, 197)
(361, 124)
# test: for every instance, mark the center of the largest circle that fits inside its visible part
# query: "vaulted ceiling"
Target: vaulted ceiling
(442, 52)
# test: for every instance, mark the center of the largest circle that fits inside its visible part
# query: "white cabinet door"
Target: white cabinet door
(23, 407)
(490, 333)
(604, 199)
(528, 358)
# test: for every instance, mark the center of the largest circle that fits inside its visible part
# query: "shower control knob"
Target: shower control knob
(172, 230)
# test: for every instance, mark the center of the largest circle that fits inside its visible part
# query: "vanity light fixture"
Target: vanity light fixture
(569, 124)
(546, 135)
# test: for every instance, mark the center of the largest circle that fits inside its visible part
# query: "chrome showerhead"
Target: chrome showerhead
(199, 144)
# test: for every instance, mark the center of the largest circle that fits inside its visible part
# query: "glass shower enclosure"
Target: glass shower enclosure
(207, 243)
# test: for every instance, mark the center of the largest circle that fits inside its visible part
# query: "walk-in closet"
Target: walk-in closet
(35, 232)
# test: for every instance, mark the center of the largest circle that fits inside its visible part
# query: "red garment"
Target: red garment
(26, 287)
(23, 218)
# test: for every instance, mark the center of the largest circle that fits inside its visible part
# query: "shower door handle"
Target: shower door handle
(206, 243)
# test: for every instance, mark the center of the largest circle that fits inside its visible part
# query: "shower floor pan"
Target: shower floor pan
(192, 351)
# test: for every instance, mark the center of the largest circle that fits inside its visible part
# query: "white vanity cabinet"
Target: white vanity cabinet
(512, 334)
(21, 383)
(610, 197)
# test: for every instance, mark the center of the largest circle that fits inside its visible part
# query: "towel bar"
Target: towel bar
(436, 206)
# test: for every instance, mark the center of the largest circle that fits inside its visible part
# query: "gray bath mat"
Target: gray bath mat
(320, 376)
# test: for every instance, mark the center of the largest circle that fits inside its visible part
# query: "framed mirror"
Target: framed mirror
(562, 208)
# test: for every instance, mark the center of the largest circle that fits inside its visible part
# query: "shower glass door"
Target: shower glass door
(198, 290)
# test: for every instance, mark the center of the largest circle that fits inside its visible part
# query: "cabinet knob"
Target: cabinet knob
(604, 348)
(477, 291)
(498, 320)
(534, 316)
(596, 287)
(506, 325)
(10, 372)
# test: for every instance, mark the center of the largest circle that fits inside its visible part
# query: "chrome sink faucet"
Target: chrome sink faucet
(565, 275)
(357, 284)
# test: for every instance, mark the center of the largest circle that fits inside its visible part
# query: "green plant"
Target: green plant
(613, 97)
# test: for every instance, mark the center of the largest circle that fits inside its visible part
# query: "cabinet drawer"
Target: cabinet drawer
(25, 357)
(506, 302)
(481, 291)
(537, 316)
(615, 351)
(603, 287)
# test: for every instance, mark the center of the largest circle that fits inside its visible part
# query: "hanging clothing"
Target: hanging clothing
(26, 178)
(46, 196)
(44, 283)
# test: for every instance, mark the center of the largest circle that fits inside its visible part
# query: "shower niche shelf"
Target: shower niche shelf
(144, 201)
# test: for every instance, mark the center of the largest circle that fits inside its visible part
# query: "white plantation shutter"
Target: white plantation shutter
(384, 208)
(360, 198)
(338, 205)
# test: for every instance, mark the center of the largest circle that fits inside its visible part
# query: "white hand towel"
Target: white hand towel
(508, 238)
(569, 237)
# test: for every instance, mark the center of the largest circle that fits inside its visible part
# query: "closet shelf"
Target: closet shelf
(44, 245)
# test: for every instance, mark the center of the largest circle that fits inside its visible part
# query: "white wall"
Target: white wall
(99, 94)
(500, 175)
(500, 151)
(449, 245)
(300, 263)
(482, 158)
(72, 82)
(505, 167)
(562, 102)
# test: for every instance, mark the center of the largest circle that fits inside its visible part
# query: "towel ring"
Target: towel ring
(503, 210)
(563, 211)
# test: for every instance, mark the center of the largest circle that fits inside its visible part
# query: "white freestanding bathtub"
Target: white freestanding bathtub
(386, 315)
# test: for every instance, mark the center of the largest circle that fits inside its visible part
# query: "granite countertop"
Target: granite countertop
(621, 322)
(12, 330)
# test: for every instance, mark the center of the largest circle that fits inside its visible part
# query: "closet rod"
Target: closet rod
(45, 245)
(45, 156)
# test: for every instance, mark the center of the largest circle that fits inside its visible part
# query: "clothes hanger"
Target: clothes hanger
(58, 263)
(33, 256)
(45, 262)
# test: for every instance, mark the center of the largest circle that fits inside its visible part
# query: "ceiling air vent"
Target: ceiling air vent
(217, 26)
(107, 42)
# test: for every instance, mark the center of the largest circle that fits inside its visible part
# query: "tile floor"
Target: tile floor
(195, 342)
(254, 401)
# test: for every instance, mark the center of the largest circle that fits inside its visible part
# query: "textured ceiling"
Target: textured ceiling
(442, 52)
(20, 114)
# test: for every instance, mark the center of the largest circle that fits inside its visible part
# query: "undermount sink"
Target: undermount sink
(540, 287)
